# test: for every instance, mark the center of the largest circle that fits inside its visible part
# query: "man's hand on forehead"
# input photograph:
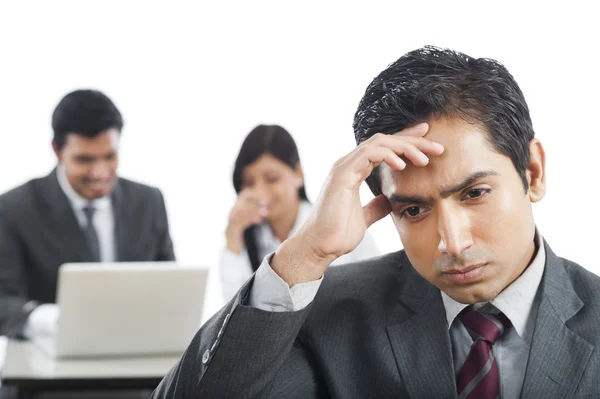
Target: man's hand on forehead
(339, 222)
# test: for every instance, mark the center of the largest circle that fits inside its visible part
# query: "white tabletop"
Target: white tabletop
(24, 360)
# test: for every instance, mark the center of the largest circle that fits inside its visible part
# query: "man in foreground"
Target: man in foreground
(476, 305)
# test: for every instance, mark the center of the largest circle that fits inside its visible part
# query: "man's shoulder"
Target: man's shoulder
(370, 277)
(585, 283)
(134, 190)
(586, 286)
(22, 195)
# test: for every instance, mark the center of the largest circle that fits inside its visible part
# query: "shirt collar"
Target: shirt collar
(516, 300)
(77, 201)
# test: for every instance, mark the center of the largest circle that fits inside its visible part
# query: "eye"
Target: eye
(413, 213)
(476, 193)
(272, 179)
(84, 159)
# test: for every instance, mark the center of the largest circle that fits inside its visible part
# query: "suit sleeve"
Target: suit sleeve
(14, 304)
(165, 245)
(243, 352)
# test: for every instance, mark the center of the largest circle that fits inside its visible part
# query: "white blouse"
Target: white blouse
(236, 268)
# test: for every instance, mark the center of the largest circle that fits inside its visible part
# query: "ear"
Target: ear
(299, 175)
(57, 151)
(536, 171)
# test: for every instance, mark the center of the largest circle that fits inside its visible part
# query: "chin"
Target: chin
(92, 194)
(470, 295)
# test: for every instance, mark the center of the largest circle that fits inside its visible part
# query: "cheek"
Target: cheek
(75, 170)
(503, 220)
(285, 191)
(420, 241)
(113, 165)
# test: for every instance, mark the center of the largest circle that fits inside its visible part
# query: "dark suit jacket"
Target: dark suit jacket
(39, 232)
(377, 329)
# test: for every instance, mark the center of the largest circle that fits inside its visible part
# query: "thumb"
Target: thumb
(376, 209)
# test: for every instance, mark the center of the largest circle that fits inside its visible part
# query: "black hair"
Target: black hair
(86, 113)
(433, 82)
(264, 139)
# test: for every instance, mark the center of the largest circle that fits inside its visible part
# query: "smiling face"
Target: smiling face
(91, 163)
(465, 220)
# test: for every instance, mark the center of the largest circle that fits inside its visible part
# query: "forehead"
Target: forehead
(106, 141)
(266, 163)
(466, 150)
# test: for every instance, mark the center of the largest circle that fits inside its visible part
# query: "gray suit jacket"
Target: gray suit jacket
(377, 329)
(39, 232)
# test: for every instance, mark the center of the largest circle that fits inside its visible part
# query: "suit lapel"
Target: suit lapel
(62, 220)
(558, 356)
(122, 223)
(421, 344)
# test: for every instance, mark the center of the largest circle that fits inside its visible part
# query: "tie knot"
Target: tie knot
(484, 326)
(89, 211)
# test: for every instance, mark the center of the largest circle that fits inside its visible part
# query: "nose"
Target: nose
(100, 171)
(262, 193)
(454, 230)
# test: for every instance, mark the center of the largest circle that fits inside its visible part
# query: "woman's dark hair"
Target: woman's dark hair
(84, 112)
(264, 139)
(432, 82)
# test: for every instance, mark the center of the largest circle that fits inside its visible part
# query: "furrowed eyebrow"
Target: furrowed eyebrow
(410, 199)
(444, 193)
(472, 178)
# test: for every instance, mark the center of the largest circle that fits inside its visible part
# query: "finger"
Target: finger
(376, 209)
(418, 130)
(365, 159)
(362, 163)
(248, 193)
(398, 144)
(249, 200)
(415, 155)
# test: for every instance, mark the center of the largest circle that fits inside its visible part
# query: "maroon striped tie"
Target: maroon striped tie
(479, 376)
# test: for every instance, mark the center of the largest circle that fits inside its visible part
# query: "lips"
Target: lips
(465, 269)
(465, 275)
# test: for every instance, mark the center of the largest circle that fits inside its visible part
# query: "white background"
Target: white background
(192, 79)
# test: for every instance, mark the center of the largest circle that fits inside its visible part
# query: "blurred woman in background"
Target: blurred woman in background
(271, 205)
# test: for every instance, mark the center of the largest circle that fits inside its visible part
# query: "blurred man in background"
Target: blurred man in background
(81, 212)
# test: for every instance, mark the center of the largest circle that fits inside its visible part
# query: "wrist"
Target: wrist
(296, 261)
(234, 239)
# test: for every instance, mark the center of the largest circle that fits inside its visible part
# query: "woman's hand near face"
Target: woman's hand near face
(248, 210)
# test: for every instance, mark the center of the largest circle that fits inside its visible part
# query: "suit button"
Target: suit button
(205, 357)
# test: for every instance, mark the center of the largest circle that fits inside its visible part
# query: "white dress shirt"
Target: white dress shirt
(518, 301)
(103, 219)
(3, 343)
(236, 268)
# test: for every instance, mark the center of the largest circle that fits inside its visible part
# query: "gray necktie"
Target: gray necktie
(91, 234)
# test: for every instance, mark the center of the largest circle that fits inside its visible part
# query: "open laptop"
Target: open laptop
(126, 309)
